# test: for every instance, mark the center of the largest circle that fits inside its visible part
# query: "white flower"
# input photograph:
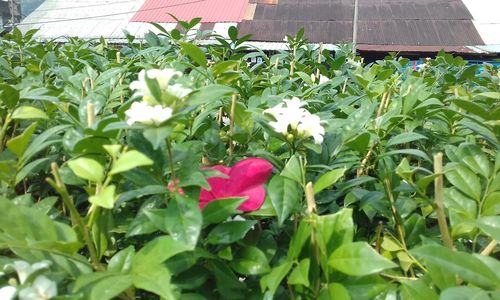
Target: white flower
(354, 63)
(162, 77)
(146, 114)
(311, 126)
(41, 289)
(290, 115)
(178, 91)
(322, 79)
(7, 292)
(24, 269)
(226, 121)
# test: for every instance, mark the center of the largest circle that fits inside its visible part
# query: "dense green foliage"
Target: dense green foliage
(87, 192)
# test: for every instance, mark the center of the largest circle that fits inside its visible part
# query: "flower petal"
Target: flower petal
(218, 186)
(247, 174)
(256, 196)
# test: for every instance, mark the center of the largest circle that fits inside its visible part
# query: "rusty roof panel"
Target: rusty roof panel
(385, 22)
(275, 30)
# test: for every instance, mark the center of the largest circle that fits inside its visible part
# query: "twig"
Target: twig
(365, 160)
(439, 200)
(231, 123)
(76, 219)
(90, 114)
(489, 249)
(311, 203)
(320, 50)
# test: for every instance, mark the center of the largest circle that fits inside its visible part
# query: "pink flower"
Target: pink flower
(245, 180)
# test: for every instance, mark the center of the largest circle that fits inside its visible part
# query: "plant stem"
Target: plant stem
(90, 114)
(365, 160)
(489, 249)
(172, 165)
(439, 200)
(3, 131)
(395, 214)
(234, 97)
(311, 203)
(311, 210)
(76, 219)
(320, 50)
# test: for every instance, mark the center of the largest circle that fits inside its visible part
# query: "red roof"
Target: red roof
(186, 10)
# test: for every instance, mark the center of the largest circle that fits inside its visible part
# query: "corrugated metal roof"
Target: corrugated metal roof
(208, 10)
(381, 22)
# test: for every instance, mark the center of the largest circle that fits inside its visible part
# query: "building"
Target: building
(411, 26)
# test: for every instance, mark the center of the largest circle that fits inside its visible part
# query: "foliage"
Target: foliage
(114, 208)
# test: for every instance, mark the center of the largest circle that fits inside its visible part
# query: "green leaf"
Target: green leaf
(218, 211)
(129, 160)
(272, 280)
(406, 137)
(28, 112)
(195, 53)
(284, 195)
(492, 95)
(360, 142)
(183, 220)
(464, 293)
(20, 232)
(441, 278)
(87, 168)
(328, 179)
(463, 179)
(491, 226)
(156, 252)
(358, 259)
(105, 198)
(110, 287)
(458, 263)
(474, 158)
(472, 108)
(491, 204)
(210, 93)
(414, 152)
(250, 261)
(18, 144)
(334, 230)
(293, 170)
(156, 280)
(299, 238)
(229, 232)
(300, 274)
(9, 95)
(121, 262)
(338, 292)
(417, 290)
(157, 135)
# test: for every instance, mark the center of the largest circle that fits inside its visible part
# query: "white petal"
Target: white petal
(163, 76)
(45, 287)
(294, 103)
(178, 91)
(7, 292)
(30, 293)
(22, 268)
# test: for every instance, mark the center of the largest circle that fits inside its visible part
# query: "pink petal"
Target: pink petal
(248, 173)
(256, 196)
(218, 186)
